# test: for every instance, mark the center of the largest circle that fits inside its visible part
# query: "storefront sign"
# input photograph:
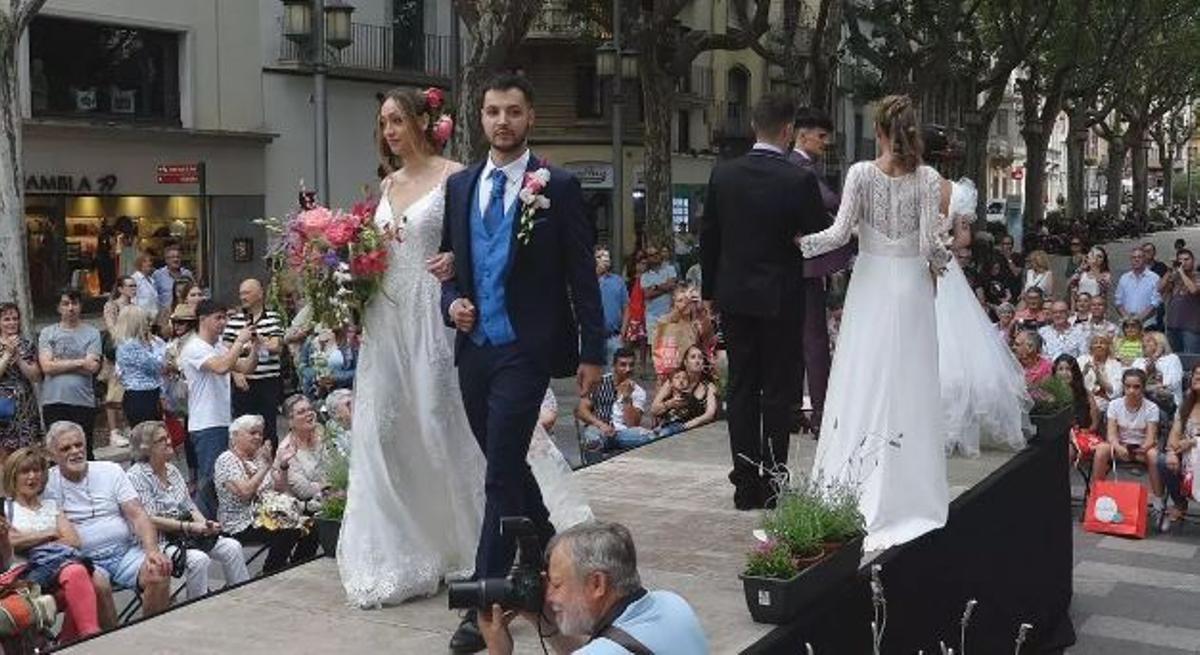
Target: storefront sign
(70, 183)
(592, 174)
(178, 173)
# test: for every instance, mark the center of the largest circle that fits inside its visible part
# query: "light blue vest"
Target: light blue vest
(489, 264)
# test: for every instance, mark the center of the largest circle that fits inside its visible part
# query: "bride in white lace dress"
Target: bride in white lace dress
(415, 500)
(882, 430)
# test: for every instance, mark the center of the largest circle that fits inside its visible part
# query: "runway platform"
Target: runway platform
(672, 494)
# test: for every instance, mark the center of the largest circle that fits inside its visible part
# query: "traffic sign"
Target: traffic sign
(178, 173)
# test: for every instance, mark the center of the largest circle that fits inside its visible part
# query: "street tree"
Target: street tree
(805, 45)
(15, 17)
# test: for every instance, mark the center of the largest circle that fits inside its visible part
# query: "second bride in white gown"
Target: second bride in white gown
(414, 505)
(882, 430)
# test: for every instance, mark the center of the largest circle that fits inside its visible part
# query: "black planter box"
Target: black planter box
(327, 534)
(772, 600)
(1052, 426)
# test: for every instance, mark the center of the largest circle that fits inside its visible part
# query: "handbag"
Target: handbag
(8, 408)
(1117, 508)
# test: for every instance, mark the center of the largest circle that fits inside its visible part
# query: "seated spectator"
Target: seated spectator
(612, 412)
(1086, 426)
(1132, 431)
(1174, 464)
(689, 400)
(682, 327)
(1006, 322)
(244, 474)
(1081, 310)
(1060, 337)
(1032, 314)
(1027, 346)
(302, 458)
(114, 530)
(327, 362)
(40, 524)
(164, 494)
(140, 357)
(339, 407)
(1098, 322)
(593, 587)
(1101, 372)
(1128, 346)
(1164, 371)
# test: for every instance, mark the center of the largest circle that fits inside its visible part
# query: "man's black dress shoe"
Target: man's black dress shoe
(467, 638)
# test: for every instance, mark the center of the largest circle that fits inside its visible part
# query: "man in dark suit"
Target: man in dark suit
(755, 205)
(516, 256)
(812, 138)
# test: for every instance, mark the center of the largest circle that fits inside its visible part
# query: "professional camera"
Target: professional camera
(523, 589)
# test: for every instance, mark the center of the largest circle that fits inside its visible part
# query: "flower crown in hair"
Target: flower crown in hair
(442, 130)
(434, 99)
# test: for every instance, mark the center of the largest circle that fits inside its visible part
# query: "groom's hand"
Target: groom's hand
(462, 312)
(587, 377)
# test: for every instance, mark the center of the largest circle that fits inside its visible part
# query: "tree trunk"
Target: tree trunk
(1113, 174)
(469, 143)
(14, 264)
(658, 94)
(1166, 158)
(1076, 146)
(1035, 178)
(1138, 154)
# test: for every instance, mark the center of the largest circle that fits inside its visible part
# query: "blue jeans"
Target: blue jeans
(594, 440)
(1183, 341)
(210, 443)
(669, 429)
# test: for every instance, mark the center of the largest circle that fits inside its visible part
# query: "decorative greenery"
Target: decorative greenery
(1050, 396)
(771, 559)
(807, 515)
(796, 521)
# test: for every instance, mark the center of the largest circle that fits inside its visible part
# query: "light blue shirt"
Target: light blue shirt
(1137, 293)
(164, 284)
(139, 364)
(663, 621)
(490, 254)
(660, 305)
(613, 297)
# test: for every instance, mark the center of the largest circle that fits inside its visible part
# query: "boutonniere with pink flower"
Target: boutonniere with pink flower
(531, 201)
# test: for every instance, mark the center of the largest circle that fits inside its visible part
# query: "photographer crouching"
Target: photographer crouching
(594, 602)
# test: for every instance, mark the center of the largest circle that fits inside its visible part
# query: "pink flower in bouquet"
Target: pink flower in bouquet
(364, 210)
(372, 263)
(342, 229)
(314, 221)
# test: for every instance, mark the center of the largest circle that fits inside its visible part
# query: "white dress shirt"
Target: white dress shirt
(514, 171)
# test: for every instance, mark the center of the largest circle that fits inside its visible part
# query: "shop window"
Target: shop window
(99, 71)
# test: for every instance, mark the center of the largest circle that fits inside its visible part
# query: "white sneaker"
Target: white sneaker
(118, 439)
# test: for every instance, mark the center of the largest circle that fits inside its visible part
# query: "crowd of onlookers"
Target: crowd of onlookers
(1115, 343)
(191, 392)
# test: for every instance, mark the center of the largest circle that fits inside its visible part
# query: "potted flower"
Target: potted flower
(1052, 405)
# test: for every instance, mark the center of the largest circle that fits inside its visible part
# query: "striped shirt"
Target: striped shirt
(603, 396)
(268, 325)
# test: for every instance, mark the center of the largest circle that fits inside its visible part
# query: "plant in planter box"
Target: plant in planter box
(796, 522)
(841, 519)
(771, 559)
(1050, 396)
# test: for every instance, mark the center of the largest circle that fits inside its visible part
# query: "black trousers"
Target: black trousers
(85, 417)
(141, 406)
(502, 393)
(763, 359)
(262, 398)
(814, 357)
(288, 546)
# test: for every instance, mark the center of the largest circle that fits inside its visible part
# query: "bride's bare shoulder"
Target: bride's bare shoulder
(451, 167)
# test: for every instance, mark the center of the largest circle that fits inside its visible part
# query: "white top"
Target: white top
(514, 170)
(208, 393)
(1043, 281)
(1089, 284)
(1132, 423)
(28, 520)
(1112, 375)
(147, 294)
(93, 505)
(639, 401)
(1171, 370)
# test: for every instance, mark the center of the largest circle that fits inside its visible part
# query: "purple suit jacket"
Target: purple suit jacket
(839, 258)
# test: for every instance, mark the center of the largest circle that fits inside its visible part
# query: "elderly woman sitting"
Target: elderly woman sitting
(1027, 346)
(35, 523)
(339, 405)
(303, 459)
(327, 361)
(164, 494)
(1101, 371)
(247, 473)
(1164, 371)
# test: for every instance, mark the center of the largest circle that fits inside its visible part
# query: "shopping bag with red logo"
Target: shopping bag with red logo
(1116, 507)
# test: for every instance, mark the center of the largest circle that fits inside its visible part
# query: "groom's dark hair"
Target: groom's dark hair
(508, 81)
(773, 112)
(808, 118)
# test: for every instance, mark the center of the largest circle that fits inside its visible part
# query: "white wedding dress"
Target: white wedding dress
(415, 501)
(882, 431)
(984, 395)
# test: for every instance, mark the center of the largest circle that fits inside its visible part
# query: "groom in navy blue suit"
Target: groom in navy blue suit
(516, 320)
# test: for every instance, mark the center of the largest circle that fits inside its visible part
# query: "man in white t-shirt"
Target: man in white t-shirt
(1132, 430)
(206, 363)
(613, 410)
(114, 530)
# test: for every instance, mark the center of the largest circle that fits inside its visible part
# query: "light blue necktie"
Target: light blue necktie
(494, 216)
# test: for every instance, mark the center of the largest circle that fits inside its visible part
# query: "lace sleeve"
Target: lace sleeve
(935, 226)
(848, 215)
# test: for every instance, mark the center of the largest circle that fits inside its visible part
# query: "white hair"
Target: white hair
(600, 546)
(246, 422)
(336, 396)
(59, 428)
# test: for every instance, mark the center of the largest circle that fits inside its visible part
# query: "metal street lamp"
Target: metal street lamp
(314, 25)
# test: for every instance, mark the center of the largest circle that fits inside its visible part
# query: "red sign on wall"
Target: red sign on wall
(178, 173)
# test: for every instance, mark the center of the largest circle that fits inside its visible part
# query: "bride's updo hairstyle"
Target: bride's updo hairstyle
(897, 119)
(414, 105)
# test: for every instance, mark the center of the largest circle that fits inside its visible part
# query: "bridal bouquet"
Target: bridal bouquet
(334, 258)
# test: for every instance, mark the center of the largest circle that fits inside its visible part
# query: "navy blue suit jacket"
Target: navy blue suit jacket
(551, 286)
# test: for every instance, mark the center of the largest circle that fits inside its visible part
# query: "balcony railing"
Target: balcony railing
(385, 49)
